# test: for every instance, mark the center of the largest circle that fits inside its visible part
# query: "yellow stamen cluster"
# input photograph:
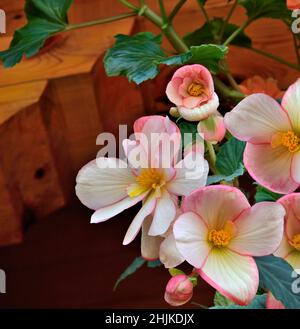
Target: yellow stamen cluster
(295, 242)
(290, 140)
(219, 238)
(151, 178)
(196, 89)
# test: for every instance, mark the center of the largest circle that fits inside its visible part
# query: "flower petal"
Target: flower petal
(294, 260)
(103, 182)
(190, 234)
(216, 204)
(284, 248)
(191, 173)
(172, 91)
(135, 226)
(270, 167)
(164, 214)
(168, 252)
(150, 244)
(260, 230)
(256, 119)
(233, 275)
(291, 103)
(272, 303)
(295, 168)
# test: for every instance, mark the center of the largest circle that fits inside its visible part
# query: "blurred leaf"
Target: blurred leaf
(259, 302)
(219, 178)
(220, 300)
(45, 18)
(263, 194)
(210, 30)
(133, 267)
(154, 263)
(275, 274)
(175, 271)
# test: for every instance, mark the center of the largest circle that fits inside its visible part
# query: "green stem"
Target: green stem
(296, 48)
(212, 157)
(226, 92)
(176, 10)
(232, 81)
(236, 33)
(128, 4)
(204, 12)
(163, 11)
(231, 11)
(275, 58)
(100, 21)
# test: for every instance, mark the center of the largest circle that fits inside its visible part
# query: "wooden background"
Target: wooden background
(51, 109)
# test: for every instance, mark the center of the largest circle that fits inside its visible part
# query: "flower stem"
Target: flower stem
(176, 9)
(236, 32)
(226, 92)
(205, 14)
(163, 11)
(128, 4)
(100, 21)
(212, 157)
(231, 11)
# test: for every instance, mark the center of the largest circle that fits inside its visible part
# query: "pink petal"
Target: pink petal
(293, 259)
(270, 167)
(216, 204)
(233, 275)
(259, 230)
(191, 102)
(256, 119)
(135, 226)
(212, 128)
(190, 234)
(103, 182)
(291, 103)
(295, 169)
(149, 244)
(169, 254)
(284, 248)
(172, 91)
(272, 303)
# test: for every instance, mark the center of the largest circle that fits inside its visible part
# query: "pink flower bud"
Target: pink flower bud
(179, 290)
(212, 128)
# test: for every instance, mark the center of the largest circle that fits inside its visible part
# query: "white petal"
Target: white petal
(164, 214)
(150, 244)
(295, 167)
(169, 254)
(135, 226)
(103, 183)
(260, 229)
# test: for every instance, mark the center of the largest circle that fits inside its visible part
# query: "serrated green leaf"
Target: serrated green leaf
(266, 8)
(175, 271)
(263, 194)
(154, 263)
(208, 55)
(45, 18)
(220, 300)
(259, 302)
(210, 30)
(275, 274)
(133, 267)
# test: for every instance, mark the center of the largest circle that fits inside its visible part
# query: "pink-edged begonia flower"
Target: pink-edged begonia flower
(213, 128)
(293, 4)
(289, 248)
(219, 233)
(272, 133)
(191, 89)
(179, 290)
(258, 84)
(272, 303)
(109, 185)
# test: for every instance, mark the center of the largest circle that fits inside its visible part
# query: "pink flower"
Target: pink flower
(179, 290)
(109, 185)
(257, 84)
(192, 91)
(272, 303)
(272, 133)
(293, 4)
(219, 233)
(213, 128)
(289, 248)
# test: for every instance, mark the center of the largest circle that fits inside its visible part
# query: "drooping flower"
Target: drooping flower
(293, 4)
(192, 91)
(154, 176)
(272, 133)
(213, 128)
(258, 84)
(219, 232)
(289, 248)
(272, 303)
(179, 290)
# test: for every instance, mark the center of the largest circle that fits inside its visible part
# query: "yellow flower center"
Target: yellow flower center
(196, 89)
(221, 238)
(295, 242)
(289, 139)
(148, 179)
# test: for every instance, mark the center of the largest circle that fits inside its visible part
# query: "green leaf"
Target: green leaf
(275, 274)
(208, 55)
(210, 30)
(259, 302)
(189, 132)
(45, 18)
(154, 263)
(263, 194)
(202, 2)
(138, 57)
(229, 162)
(266, 8)
(220, 300)
(133, 267)
(175, 271)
